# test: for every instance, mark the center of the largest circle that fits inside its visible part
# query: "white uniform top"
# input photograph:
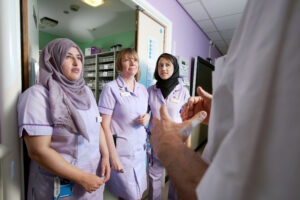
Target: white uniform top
(253, 144)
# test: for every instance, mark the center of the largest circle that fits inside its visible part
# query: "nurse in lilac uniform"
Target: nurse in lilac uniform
(60, 123)
(123, 106)
(170, 91)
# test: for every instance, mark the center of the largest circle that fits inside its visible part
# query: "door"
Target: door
(30, 67)
(10, 88)
(150, 43)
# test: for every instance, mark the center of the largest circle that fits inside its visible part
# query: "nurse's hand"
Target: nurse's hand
(90, 182)
(105, 169)
(116, 164)
(143, 119)
(196, 104)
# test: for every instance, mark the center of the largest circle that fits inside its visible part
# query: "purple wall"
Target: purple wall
(189, 38)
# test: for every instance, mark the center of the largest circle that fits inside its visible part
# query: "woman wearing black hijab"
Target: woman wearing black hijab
(170, 91)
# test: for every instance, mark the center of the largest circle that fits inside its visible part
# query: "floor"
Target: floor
(108, 196)
(165, 188)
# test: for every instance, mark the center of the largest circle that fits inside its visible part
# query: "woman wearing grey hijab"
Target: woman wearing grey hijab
(60, 123)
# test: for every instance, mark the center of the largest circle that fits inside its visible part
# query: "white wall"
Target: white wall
(10, 88)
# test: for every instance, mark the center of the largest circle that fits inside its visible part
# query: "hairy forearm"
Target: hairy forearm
(184, 167)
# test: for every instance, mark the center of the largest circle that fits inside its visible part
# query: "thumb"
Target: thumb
(199, 117)
(196, 119)
(189, 125)
(164, 112)
(102, 170)
(202, 93)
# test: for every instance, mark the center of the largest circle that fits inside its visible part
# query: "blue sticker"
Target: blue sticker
(12, 169)
(160, 30)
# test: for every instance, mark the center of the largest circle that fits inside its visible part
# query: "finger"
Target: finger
(164, 112)
(107, 175)
(101, 183)
(189, 125)
(201, 92)
(190, 103)
(200, 116)
(184, 112)
(196, 119)
(155, 121)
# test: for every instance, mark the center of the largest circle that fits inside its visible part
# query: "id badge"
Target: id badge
(62, 188)
(174, 100)
(98, 119)
(125, 94)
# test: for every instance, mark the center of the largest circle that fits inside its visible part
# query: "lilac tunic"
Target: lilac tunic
(34, 117)
(125, 107)
(175, 100)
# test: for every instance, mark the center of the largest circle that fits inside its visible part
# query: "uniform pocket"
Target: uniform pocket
(124, 147)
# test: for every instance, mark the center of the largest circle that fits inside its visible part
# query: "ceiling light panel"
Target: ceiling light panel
(93, 3)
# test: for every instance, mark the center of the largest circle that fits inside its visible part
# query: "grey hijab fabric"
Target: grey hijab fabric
(65, 96)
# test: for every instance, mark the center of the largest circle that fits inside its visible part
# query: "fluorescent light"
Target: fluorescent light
(93, 3)
(48, 21)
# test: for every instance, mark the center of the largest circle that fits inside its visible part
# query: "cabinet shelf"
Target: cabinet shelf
(89, 64)
(100, 69)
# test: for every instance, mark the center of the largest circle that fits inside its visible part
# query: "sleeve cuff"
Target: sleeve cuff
(106, 111)
(34, 130)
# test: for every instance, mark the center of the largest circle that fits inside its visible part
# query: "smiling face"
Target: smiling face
(130, 65)
(72, 65)
(165, 68)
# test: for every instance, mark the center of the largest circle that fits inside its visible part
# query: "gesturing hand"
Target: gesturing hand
(197, 104)
(165, 130)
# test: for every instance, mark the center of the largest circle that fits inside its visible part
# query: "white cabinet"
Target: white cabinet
(100, 69)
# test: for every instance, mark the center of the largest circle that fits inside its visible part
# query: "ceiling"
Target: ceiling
(88, 23)
(217, 18)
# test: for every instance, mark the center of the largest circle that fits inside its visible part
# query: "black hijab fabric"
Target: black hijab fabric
(167, 86)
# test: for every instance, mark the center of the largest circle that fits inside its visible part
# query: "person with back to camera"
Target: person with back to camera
(123, 105)
(253, 139)
(167, 90)
(60, 123)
